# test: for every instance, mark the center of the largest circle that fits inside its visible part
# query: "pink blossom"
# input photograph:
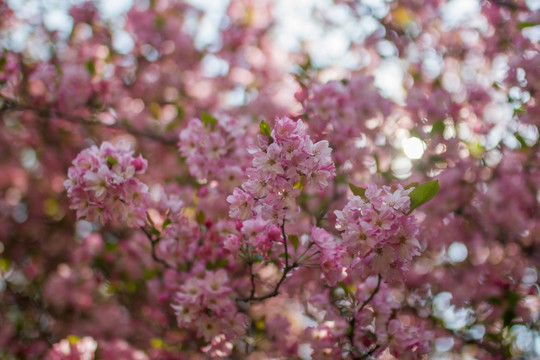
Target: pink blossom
(241, 204)
(73, 348)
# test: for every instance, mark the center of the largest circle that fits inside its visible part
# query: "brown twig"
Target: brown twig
(368, 354)
(12, 105)
(352, 323)
(288, 268)
(509, 4)
(375, 291)
(274, 292)
(153, 243)
(285, 243)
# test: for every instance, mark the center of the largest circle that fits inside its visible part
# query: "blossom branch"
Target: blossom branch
(352, 323)
(375, 291)
(509, 4)
(369, 353)
(288, 268)
(12, 105)
(252, 279)
(326, 206)
(275, 291)
(284, 236)
(153, 243)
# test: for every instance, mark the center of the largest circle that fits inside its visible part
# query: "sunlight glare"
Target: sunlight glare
(413, 147)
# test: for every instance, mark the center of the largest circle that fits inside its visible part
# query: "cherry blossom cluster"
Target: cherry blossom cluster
(186, 274)
(204, 304)
(256, 233)
(103, 186)
(177, 242)
(367, 315)
(324, 339)
(343, 104)
(346, 113)
(283, 164)
(215, 149)
(73, 349)
(378, 316)
(377, 236)
(87, 348)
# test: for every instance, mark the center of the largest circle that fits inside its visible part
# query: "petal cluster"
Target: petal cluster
(282, 165)
(215, 151)
(203, 304)
(103, 186)
(377, 236)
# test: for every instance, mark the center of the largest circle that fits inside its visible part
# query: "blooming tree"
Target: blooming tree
(167, 197)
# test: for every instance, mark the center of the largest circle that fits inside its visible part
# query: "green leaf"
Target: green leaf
(411, 185)
(300, 183)
(525, 24)
(110, 246)
(357, 190)
(423, 193)
(157, 343)
(111, 161)
(495, 300)
(294, 241)
(208, 120)
(159, 22)
(340, 179)
(166, 223)
(219, 264)
(91, 67)
(150, 273)
(265, 130)
(512, 298)
(131, 286)
(521, 140)
(476, 149)
(349, 289)
(3, 61)
(508, 316)
(200, 217)
(438, 127)
(260, 324)
(73, 339)
(5, 264)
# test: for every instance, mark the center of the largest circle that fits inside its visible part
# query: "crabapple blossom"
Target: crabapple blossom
(378, 237)
(205, 305)
(103, 187)
(282, 165)
(285, 163)
(73, 348)
(236, 230)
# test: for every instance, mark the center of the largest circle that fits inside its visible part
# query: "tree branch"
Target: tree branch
(12, 105)
(352, 323)
(252, 278)
(285, 243)
(153, 243)
(288, 268)
(369, 353)
(274, 292)
(510, 5)
(375, 291)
